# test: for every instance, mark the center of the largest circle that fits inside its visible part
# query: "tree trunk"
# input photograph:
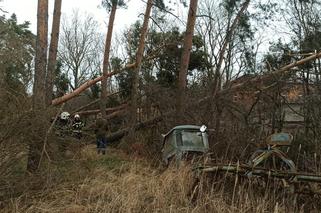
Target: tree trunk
(53, 51)
(38, 100)
(260, 79)
(93, 103)
(86, 85)
(106, 59)
(188, 40)
(139, 57)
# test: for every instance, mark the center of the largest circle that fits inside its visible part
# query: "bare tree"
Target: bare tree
(39, 82)
(218, 25)
(80, 48)
(52, 60)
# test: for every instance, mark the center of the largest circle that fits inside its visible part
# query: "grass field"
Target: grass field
(118, 182)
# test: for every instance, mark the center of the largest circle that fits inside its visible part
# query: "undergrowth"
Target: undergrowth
(118, 182)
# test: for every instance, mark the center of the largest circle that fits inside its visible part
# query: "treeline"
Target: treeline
(167, 64)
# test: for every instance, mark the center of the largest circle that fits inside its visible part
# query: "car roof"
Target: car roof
(182, 127)
(186, 127)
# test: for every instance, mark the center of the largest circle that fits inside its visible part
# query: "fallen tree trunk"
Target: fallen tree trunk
(93, 102)
(265, 77)
(108, 110)
(86, 85)
(274, 75)
(123, 132)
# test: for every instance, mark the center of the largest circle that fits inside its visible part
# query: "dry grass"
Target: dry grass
(118, 183)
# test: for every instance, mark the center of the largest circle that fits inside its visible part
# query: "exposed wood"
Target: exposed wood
(106, 58)
(52, 59)
(187, 46)
(86, 85)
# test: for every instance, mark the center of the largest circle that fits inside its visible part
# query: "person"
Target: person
(77, 126)
(62, 124)
(100, 131)
(62, 130)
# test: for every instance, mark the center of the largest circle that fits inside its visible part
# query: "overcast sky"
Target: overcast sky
(26, 10)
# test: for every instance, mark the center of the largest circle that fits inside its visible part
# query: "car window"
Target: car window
(169, 143)
(192, 138)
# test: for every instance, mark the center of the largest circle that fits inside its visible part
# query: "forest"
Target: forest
(95, 121)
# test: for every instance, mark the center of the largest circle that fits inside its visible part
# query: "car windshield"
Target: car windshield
(192, 138)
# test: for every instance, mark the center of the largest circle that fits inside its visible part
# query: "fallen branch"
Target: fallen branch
(287, 69)
(276, 74)
(94, 102)
(44, 150)
(123, 132)
(91, 82)
(108, 110)
(88, 84)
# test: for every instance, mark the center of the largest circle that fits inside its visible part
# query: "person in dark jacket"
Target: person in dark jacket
(77, 126)
(100, 131)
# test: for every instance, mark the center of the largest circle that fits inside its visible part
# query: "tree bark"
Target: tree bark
(188, 40)
(139, 57)
(106, 59)
(38, 99)
(52, 60)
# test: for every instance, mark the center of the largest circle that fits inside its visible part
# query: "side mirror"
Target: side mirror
(203, 128)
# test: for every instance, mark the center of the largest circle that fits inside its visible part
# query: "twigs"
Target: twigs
(44, 151)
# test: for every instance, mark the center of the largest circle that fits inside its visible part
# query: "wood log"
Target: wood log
(285, 70)
(88, 84)
(123, 132)
(93, 102)
(272, 75)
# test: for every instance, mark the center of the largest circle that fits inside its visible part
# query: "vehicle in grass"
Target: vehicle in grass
(190, 141)
(183, 142)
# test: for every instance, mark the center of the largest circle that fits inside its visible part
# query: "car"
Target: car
(183, 140)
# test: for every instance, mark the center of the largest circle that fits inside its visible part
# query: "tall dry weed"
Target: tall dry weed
(134, 186)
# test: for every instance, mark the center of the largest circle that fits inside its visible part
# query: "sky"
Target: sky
(26, 10)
